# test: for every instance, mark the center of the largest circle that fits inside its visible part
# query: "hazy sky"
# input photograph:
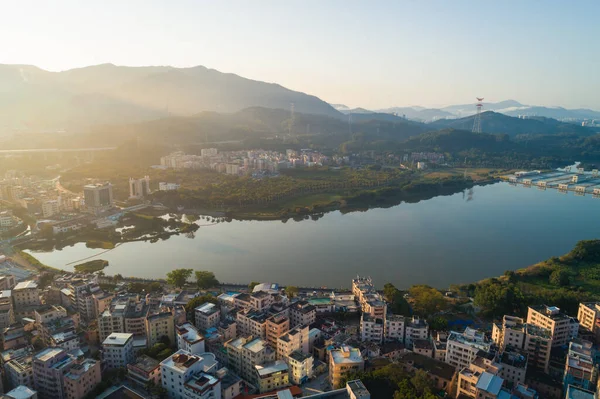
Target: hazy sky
(360, 53)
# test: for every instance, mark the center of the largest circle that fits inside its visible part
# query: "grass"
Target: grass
(91, 266)
(33, 261)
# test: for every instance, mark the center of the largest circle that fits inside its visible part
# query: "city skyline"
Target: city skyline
(392, 54)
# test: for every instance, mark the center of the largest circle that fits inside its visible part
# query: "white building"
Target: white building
(118, 350)
(26, 293)
(394, 328)
(462, 348)
(300, 367)
(50, 208)
(139, 188)
(415, 329)
(207, 315)
(163, 186)
(189, 339)
(371, 329)
(183, 367)
(294, 340)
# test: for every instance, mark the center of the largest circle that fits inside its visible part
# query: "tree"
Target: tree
(511, 276)
(497, 298)
(291, 291)
(198, 301)
(438, 323)
(398, 305)
(206, 279)
(252, 285)
(178, 277)
(117, 278)
(560, 278)
(427, 300)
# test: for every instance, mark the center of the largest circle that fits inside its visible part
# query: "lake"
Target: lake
(458, 238)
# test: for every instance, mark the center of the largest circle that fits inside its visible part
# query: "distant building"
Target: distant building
(139, 188)
(98, 197)
(50, 208)
(162, 186)
(26, 293)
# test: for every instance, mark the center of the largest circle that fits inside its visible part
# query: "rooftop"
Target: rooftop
(201, 382)
(24, 285)
(207, 308)
(189, 333)
(118, 339)
(256, 345)
(278, 366)
(357, 388)
(76, 371)
(346, 354)
(145, 363)
(429, 365)
(578, 393)
(21, 392)
(489, 383)
(48, 354)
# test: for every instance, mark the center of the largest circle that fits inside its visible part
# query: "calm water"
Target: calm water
(444, 240)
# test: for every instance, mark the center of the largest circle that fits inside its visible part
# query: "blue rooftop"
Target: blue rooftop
(490, 383)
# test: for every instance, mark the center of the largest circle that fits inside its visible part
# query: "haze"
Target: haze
(364, 54)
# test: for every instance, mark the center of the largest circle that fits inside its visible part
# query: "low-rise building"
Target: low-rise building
(580, 370)
(160, 324)
(252, 322)
(245, 353)
(300, 367)
(475, 384)
(182, 368)
(342, 362)
(371, 329)
(82, 378)
(26, 293)
(423, 347)
(19, 371)
(462, 347)
(416, 328)
(302, 312)
(22, 392)
(272, 376)
(440, 373)
(513, 364)
(394, 328)
(189, 339)
(117, 350)
(145, 370)
(207, 315)
(294, 340)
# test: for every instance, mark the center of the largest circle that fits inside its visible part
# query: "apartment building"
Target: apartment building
(344, 361)
(580, 370)
(245, 353)
(49, 313)
(415, 328)
(227, 329)
(22, 392)
(124, 315)
(19, 371)
(7, 282)
(117, 350)
(258, 301)
(160, 324)
(300, 367)
(371, 329)
(189, 339)
(7, 315)
(589, 315)
(183, 368)
(26, 293)
(252, 322)
(513, 364)
(145, 370)
(82, 378)
(563, 328)
(510, 333)
(462, 348)
(394, 328)
(272, 376)
(297, 339)
(207, 316)
(49, 368)
(302, 312)
(369, 299)
(276, 326)
(472, 383)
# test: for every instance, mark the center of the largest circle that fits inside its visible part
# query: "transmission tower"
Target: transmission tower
(477, 119)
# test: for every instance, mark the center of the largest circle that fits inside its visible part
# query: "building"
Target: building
(117, 350)
(47, 314)
(19, 371)
(513, 365)
(342, 362)
(181, 368)
(231, 384)
(472, 383)
(371, 329)
(98, 197)
(207, 315)
(160, 325)
(163, 186)
(22, 392)
(588, 316)
(562, 328)
(302, 312)
(7, 281)
(252, 322)
(203, 386)
(415, 329)
(145, 370)
(189, 339)
(578, 393)
(49, 368)
(82, 378)
(50, 208)
(139, 188)
(462, 348)
(7, 316)
(26, 293)
(423, 347)
(272, 376)
(294, 340)
(276, 326)
(227, 329)
(580, 370)
(245, 353)
(369, 299)
(440, 373)
(300, 367)
(394, 328)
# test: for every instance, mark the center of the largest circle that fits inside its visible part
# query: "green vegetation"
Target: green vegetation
(36, 263)
(159, 351)
(206, 279)
(139, 287)
(398, 305)
(91, 266)
(392, 382)
(179, 277)
(426, 301)
(291, 291)
(561, 281)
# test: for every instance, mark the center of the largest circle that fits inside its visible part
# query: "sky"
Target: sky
(372, 54)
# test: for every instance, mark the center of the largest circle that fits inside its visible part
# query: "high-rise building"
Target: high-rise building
(139, 188)
(98, 196)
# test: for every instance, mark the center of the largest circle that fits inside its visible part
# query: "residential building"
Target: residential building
(117, 350)
(22, 392)
(272, 376)
(139, 188)
(589, 317)
(423, 347)
(50, 208)
(7, 282)
(302, 312)
(227, 329)
(82, 378)
(207, 315)
(49, 368)
(475, 384)
(183, 367)
(245, 353)
(394, 328)
(300, 367)
(562, 328)
(580, 370)
(160, 324)
(252, 322)
(371, 329)
(276, 326)
(7, 316)
(189, 339)
(145, 370)
(440, 373)
(416, 328)
(202, 386)
(342, 362)
(50, 313)
(513, 364)
(462, 348)
(231, 384)
(19, 371)
(369, 299)
(574, 392)
(98, 196)
(294, 340)
(26, 293)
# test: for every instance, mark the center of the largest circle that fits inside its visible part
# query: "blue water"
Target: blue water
(448, 239)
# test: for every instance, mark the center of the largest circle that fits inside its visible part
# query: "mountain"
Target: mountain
(556, 113)
(31, 97)
(418, 113)
(494, 123)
